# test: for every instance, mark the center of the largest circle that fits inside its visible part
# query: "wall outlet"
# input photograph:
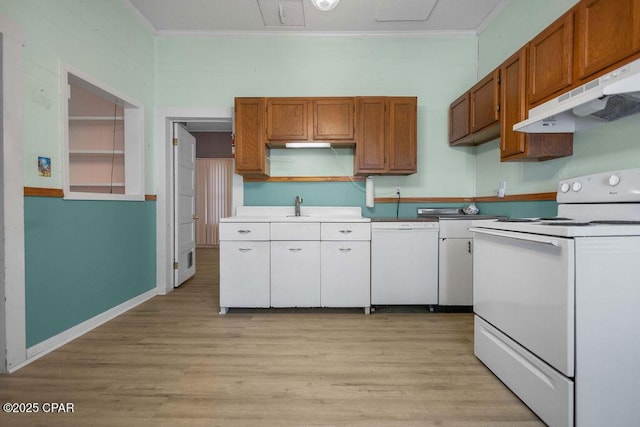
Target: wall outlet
(398, 190)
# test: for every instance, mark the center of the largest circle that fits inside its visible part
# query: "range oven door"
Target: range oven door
(523, 285)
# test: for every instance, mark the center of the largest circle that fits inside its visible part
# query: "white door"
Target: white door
(184, 179)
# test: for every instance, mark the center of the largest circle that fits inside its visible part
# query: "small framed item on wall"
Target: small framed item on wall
(44, 166)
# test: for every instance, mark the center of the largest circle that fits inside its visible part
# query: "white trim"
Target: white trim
(491, 16)
(140, 16)
(163, 119)
(13, 342)
(354, 34)
(47, 346)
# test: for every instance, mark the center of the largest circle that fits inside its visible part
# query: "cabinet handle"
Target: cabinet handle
(346, 231)
(244, 231)
(344, 249)
(469, 243)
(295, 249)
(244, 249)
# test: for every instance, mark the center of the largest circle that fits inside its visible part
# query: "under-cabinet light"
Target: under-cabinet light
(307, 145)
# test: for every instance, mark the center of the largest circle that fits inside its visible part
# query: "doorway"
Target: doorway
(203, 175)
(165, 210)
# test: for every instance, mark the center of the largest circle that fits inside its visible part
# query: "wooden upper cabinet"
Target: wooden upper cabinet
(311, 119)
(474, 118)
(333, 119)
(371, 148)
(484, 102)
(459, 119)
(551, 60)
(387, 136)
(251, 156)
(402, 136)
(287, 119)
(513, 100)
(607, 31)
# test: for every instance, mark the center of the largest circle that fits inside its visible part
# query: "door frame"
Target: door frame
(164, 119)
(13, 340)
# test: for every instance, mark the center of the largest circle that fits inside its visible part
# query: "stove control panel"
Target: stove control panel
(619, 186)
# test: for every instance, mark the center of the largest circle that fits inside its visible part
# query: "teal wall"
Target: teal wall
(352, 194)
(607, 147)
(83, 258)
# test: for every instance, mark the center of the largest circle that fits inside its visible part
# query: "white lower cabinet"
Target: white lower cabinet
(456, 272)
(295, 264)
(295, 273)
(345, 274)
(244, 274)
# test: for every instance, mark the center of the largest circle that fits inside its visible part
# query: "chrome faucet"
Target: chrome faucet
(298, 202)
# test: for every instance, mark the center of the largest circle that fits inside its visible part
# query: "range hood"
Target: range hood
(605, 99)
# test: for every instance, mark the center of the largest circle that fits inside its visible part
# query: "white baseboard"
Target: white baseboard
(57, 341)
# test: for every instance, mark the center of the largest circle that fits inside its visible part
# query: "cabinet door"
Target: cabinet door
(459, 118)
(551, 59)
(402, 135)
(370, 148)
(244, 274)
(295, 274)
(251, 156)
(607, 31)
(513, 102)
(484, 101)
(345, 274)
(287, 119)
(518, 145)
(333, 119)
(455, 272)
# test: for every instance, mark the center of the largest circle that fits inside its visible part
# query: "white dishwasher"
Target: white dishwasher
(404, 262)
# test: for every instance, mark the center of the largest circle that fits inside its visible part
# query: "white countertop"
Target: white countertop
(287, 214)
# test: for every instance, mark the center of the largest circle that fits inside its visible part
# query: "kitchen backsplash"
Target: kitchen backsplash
(352, 194)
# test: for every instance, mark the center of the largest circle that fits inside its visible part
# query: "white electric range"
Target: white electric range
(556, 302)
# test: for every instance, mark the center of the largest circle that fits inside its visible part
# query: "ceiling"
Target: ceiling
(356, 17)
(299, 17)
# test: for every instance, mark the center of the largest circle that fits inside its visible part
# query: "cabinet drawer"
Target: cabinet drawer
(346, 231)
(295, 231)
(244, 231)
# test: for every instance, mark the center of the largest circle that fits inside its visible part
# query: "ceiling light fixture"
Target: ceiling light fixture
(325, 5)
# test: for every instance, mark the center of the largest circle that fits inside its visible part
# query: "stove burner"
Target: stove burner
(615, 222)
(516, 220)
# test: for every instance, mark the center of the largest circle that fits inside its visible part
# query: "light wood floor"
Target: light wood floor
(175, 361)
